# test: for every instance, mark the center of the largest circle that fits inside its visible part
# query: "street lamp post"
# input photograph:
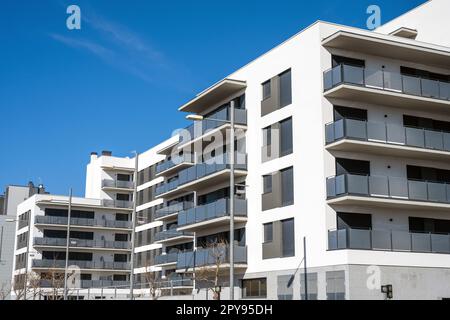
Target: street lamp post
(232, 158)
(133, 222)
(69, 213)
(232, 201)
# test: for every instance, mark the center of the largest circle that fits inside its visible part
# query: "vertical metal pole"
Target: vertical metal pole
(69, 211)
(133, 222)
(305, 268)
(1, 245)
(195, 253)
(232, 106)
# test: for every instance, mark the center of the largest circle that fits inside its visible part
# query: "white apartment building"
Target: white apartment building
(342, 138)
(13, 196)
(100, 231)
(346, 139)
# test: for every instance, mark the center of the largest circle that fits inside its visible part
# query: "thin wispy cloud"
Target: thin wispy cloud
(92, 47)
(123, 49)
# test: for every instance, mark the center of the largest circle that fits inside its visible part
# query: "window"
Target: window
(123, 197)
(337, 60)
(119, 277)
(268, 232)
(311, 279)
(267, 136)
(347, 220)
(266, 90)
(267, 183)
(121, 237)
(120, 257)
(341, 112)
(285, 89)
(287, 186)
(254, 288)
(288, 239)
(350, 166)
(286, 137)
(86, 276)
(335, 285)
(285, 287)
(123, 177)
(121, 217)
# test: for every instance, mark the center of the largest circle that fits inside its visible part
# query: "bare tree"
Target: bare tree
(211, 275)
(5, 290)
(152, 281)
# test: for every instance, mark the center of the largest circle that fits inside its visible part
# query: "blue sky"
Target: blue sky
(116, 84)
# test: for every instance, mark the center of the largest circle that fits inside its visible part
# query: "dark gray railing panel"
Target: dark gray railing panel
(388, 240)
(357, 184)
(420, 242)
(386, 80)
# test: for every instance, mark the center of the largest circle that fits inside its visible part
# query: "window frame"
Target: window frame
(266, 84)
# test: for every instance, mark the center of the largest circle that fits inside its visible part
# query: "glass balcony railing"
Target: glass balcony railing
(173, 208)
(170, 234)
(387, 187)
(386, 80)
(117, 204)
(166, 258)
(200, 171)
(387, 133)
(175, 282)
(388, 240)
(209, 256)
(88, 284)
(199, 128)
(107, 183)
(174, 161)
(82, 264)
(83, 222)
(81, 243)
(216, 209)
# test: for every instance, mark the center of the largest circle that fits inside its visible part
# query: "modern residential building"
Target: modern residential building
(345, 136)
(342, 139)
(13, 196)
(99, 242)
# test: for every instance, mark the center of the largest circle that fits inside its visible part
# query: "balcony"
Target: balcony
(387, 240)
(166, 259)
(378, 138)
(81, 243)
(168, 167)
(212, 214)
(175, 283)
(172, 235)
(350, 189)
(367, 85)
(88, 265)
(208, 258)
(218, 121)
(88, 284)
(117, 204)
(117, 184)
(82, 222)
(202, 175)
(171, 211)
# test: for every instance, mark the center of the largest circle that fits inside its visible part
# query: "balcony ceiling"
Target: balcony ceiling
(213, 95)
(381, 148)
(389, 46)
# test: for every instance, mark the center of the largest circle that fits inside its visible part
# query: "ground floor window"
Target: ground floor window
(254, 288)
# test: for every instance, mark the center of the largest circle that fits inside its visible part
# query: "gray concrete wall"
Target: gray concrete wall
(7, 233)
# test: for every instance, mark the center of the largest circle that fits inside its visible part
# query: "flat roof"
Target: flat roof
(214, 94)
(390, 46)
